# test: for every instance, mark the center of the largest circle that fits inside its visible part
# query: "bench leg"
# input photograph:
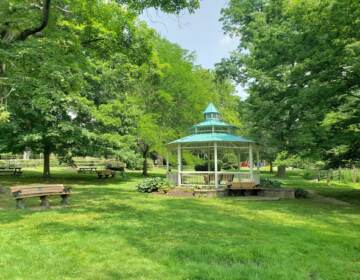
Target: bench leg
(44, 202)
(64, 199)
(20, 204)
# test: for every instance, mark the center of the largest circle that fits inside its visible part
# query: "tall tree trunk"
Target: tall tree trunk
(145, 165)
(47, 152)
(271, 167)
(281, 171)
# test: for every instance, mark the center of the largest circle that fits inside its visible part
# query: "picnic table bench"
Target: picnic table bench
(40, 190)
(87, 169)
(15, 171)
(106, 173)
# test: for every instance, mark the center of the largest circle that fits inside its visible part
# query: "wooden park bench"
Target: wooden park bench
(242, 188)
(228, 178)
(106, 173)
(15, 171)
(40, 190)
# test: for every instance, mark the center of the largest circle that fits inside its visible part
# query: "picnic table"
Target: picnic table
(15, 171)
(106, 173)
(87, 169)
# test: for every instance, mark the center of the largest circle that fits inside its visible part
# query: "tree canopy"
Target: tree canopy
(95, 80)
(300, 63)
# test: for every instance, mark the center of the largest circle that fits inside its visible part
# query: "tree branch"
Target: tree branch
(88, 42)
(354, 95)
(45, 19)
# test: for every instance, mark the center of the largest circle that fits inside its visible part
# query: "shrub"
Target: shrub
(204, 166)
(266, 183)
(309, 174)
(153, 185)
(301, 193)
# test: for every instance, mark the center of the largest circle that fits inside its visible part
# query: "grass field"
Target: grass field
(110, 231)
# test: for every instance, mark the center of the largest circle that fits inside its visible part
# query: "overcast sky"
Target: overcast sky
(200, 32)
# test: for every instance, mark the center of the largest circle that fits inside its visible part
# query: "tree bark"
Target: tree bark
(271, 167)
(281, 171)
(46, 173)
(145, 165)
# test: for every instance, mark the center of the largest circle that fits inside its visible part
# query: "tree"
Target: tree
(62, 80)
(26, 27)
(173, 95)
(299, 61)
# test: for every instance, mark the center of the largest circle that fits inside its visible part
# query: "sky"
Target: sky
(200, 32)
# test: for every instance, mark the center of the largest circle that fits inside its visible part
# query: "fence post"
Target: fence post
(339, 174)
(353, 173)
(328, 177)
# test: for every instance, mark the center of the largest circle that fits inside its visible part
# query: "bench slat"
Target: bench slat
(34, 186)
(23, 192)
(37, 195)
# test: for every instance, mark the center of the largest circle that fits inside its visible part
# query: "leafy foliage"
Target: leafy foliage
(300, 63)
(266, 183)
(153, 185)
(301, 193)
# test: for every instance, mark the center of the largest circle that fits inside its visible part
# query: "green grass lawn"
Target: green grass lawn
(110, 231)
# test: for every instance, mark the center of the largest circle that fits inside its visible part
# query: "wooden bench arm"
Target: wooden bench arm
(17, 193)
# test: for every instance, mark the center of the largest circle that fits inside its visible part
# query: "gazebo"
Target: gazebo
(210, 140)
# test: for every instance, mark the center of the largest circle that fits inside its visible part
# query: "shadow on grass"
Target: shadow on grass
(208, 239)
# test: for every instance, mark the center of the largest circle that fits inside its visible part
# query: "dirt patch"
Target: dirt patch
(314, 195)
(178, 192)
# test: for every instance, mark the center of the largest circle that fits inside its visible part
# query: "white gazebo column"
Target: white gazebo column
(257, 160)
(216, 165)
(179, 164)
(251, 162)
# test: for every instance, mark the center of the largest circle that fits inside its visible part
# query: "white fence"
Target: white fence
(207, 178)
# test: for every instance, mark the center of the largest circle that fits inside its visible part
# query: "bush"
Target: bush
(266, 183)
(309, 174)
(153, 185)
(204, 166)
(301, 193)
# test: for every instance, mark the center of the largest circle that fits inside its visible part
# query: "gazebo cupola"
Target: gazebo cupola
(210, 139)
(212, 123)
(211, 112)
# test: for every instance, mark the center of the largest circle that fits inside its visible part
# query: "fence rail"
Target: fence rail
(345, 175)
(207, 178)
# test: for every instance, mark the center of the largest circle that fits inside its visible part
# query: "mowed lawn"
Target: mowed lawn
(110, 231)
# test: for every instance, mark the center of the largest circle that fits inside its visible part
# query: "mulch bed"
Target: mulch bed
(177, 192)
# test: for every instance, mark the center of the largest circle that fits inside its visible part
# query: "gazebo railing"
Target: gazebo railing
(207, 178)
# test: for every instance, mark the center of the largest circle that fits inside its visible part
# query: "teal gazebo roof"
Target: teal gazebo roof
(212, 130)
(211, 137)
(214, 122)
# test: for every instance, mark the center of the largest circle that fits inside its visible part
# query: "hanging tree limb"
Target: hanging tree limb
(45, 19)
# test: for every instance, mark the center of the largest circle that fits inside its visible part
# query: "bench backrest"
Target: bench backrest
(38, 189)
